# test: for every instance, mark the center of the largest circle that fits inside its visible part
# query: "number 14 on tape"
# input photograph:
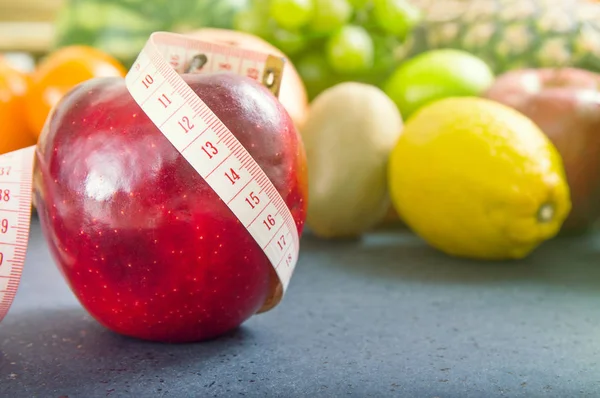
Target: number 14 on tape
(208, 145)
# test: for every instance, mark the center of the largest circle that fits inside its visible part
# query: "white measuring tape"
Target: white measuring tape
(155, 83)
(15, 217)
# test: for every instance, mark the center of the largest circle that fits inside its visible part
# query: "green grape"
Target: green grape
(358, 4)
(350, 50)
(251, 20)
(388, 50)
(315, 73)
(290, 42)
(330, 15)
(261, 5)
(291, 14)
(396, 17)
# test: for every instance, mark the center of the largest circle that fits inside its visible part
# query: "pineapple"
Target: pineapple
(510, 34)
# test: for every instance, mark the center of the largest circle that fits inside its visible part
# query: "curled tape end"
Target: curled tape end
(276, 293)
(273, 74)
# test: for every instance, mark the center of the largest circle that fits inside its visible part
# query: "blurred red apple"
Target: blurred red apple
(565, 104)
(145, 244)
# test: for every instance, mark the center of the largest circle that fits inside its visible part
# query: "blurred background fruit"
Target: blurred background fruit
(13, 87)
(121, 27)
(58, 73)
(565, 104)
(510, 34)
(348, 136)
(292, 92)
(368, 39)
(396, 45)
(331, 41)
(477, 179)
(434, 75)
(360, 40)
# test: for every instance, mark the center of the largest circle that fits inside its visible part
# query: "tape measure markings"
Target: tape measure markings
(257, 203)
(171, 48)
(219, 158)
(15, 216)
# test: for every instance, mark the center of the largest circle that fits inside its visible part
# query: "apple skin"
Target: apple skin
(145, 244)
(565, 104)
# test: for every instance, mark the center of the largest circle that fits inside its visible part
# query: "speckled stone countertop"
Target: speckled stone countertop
(386, 316)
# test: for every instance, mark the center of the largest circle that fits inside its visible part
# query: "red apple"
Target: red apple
(145, 244)
(565, 104)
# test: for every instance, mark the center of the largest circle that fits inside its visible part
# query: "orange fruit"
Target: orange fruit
(59, 72)
(13, 88)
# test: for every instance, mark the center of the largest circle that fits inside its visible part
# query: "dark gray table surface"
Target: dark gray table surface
(386, 316)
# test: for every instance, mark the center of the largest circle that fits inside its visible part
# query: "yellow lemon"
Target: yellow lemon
(477, 179)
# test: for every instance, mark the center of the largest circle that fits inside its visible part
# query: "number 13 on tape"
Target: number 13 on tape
(187, 122)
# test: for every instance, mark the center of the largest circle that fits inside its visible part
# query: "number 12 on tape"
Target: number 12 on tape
(208, 145)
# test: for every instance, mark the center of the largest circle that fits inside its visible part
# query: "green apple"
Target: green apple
(437, 74)
(316, 73)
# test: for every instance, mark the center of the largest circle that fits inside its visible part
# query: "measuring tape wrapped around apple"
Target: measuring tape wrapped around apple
(172, 201)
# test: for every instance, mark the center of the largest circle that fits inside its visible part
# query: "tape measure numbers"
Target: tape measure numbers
(15, 218)
(188, 123)
(155, 83)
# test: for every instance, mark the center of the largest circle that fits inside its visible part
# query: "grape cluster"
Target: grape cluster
(330, 41)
